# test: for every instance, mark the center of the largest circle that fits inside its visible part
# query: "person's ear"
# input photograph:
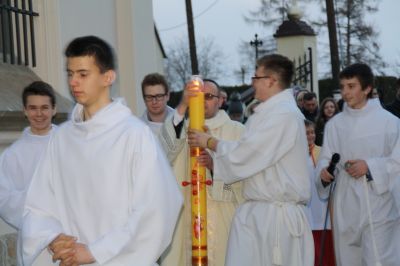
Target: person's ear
(54, 112)
(25, 113)
(110, 76)
(220, 101)
(368, 90)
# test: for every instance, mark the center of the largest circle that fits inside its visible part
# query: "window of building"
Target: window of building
(17, 33)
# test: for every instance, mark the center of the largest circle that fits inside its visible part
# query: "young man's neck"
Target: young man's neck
(158, 118)
(360, 105)
(273, 91)
(90, 110)
(41, 132)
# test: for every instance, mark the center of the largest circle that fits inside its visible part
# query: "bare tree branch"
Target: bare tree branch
(177, 66)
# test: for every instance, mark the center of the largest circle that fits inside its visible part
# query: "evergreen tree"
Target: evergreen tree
(357, 38)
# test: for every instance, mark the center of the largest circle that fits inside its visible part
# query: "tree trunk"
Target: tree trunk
(333, 43)
(348, 33)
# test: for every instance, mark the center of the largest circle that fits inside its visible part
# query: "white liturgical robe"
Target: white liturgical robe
(371, 134)
(156, 126)
(271, 228)
(17, 165)
(317, 207)
(107, 182)
(222, 199)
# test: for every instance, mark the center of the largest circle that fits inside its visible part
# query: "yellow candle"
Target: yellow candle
(198, 178)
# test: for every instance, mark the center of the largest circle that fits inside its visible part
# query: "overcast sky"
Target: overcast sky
(222, 20)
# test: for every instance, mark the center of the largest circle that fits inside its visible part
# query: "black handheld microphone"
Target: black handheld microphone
(332, 166)
(331, 169)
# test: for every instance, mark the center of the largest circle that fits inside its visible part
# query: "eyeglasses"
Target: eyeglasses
(209, 96)
(157, 97)
(261, 77)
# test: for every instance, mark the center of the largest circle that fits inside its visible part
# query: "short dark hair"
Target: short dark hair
(92, 46)
(235, 107)
(279, 64)
(362, 72)
(309, 96)
(39, 88)
(309, 123)
(154, 79)
(215, 83)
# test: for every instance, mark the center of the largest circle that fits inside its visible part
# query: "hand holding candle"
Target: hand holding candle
(194, 93)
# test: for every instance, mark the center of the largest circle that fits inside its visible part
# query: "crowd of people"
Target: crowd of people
(300, 183)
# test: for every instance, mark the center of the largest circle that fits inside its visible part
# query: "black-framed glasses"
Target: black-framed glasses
(210, 96)
(260, 77)
(157, 97)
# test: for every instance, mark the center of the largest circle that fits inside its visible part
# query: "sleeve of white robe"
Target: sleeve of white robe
(257, 150)
(157, 201)
(171, 145)
(11, 199)
(384, 169)
(325, 157)
(40, 226)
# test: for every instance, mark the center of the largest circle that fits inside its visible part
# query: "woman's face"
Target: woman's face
(329, 109)
(310, 132)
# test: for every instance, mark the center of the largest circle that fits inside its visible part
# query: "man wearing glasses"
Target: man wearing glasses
(270, 228)
(222, 199)
(155, 92)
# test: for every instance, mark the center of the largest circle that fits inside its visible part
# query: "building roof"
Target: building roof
(294, 27)
(159, 42)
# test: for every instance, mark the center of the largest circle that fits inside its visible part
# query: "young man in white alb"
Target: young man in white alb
(271, 227)
(104, 193)
(366, 221)
(19, 161)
